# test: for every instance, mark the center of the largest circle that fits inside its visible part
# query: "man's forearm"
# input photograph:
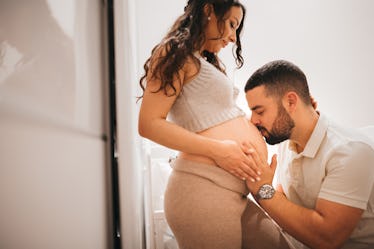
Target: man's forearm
(306, 225)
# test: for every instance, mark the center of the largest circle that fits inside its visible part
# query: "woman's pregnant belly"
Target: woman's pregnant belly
(239, 130)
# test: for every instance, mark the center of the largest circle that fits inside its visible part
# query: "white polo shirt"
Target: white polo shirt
(337, 164)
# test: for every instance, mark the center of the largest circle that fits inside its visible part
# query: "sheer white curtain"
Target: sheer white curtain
(129, 144)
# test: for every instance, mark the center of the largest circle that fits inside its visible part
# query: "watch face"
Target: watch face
(266, 191)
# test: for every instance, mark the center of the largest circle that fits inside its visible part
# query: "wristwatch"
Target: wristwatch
(266, 191)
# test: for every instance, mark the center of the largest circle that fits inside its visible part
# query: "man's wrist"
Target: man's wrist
(265, 192)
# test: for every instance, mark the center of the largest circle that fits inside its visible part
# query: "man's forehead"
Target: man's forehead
(256, 93)
(257, 98)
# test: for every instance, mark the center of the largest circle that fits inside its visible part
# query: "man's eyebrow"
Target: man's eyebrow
(255, 107)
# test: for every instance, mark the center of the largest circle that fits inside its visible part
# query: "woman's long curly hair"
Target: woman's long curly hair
(184, 38)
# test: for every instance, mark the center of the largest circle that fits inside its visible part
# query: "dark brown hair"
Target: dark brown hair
(185, 37)
(279, 77)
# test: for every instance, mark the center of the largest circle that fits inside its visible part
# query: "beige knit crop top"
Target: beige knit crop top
(207, 100)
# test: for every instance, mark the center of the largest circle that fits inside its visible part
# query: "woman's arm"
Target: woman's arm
(154, 126)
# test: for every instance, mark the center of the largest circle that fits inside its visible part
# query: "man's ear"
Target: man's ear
(290, 101)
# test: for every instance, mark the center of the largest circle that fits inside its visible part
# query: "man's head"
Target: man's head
(274, 94)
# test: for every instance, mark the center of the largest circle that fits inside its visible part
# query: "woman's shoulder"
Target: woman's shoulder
(191, 68)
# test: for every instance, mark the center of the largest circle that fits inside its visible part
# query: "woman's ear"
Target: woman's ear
(208, 8)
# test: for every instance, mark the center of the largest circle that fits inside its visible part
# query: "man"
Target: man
(324, 196)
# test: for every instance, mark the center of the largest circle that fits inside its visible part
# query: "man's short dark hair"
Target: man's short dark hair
(279, 77)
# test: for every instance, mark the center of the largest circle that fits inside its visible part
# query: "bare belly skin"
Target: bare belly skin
(239, 130)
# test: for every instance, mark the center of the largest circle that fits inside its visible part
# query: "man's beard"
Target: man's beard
(281, 129)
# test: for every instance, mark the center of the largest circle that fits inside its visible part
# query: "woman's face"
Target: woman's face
(217, 39)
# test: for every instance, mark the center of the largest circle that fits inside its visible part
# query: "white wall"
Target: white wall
(53, 159)
(331, 41)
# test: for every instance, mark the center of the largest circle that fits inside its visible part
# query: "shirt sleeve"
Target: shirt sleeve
(349, 175)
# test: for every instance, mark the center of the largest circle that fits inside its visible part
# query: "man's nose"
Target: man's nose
(254, 120)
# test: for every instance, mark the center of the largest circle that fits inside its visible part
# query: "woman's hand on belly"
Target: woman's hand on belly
(233, 157)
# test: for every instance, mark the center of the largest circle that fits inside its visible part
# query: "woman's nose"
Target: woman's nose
(233, 37)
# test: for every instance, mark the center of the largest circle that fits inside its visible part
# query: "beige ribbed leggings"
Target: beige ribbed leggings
(207, 208)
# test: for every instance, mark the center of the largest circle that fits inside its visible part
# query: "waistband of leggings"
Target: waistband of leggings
(211, 172)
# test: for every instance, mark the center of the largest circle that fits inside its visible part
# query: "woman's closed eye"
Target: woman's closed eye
(233, 25)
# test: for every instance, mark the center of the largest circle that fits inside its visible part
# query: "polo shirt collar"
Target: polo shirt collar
(315, 139)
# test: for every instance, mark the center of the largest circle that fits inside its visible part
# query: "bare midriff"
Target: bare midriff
(239, 130)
